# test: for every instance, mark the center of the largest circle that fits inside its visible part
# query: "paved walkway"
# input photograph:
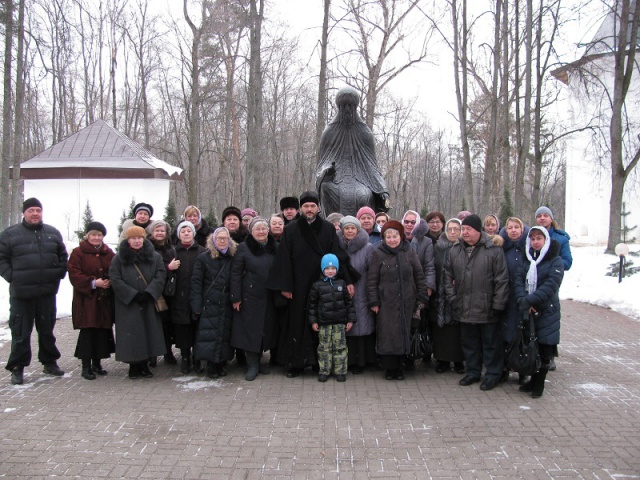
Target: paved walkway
(586, 426)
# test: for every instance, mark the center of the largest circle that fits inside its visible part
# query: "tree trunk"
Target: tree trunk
(322, 80)
(254, 105)
(7, 124)
(623, 71)
(460, 43)
(16, 184)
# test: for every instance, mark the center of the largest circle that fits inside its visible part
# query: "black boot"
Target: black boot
(528, 386)
(212, 370)
(96, 366)
(197, 366)
(185, 365)
(538, 383)
(134, 370)
(253, 362)
(87, 372)
(144, 370)
(17, 375)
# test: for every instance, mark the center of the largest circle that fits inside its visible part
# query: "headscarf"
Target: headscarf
(213, 238)
(532, 274)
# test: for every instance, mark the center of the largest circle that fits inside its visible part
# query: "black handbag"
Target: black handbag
(420, 345)
(522, 354)
(170, 286)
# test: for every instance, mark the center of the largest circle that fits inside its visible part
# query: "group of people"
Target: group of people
(337, 295)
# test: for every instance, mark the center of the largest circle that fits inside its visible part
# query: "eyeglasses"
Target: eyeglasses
(222, 239)
(409, 222)
(453, 230)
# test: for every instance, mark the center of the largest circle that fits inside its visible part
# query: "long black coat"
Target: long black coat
(295, 268)
(179, 302)
(395, 283)
(253, 326)
(138, 327)
(210, 298)
(545, 298)
(33, 259)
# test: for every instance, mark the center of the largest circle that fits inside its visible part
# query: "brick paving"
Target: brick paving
(586, 425)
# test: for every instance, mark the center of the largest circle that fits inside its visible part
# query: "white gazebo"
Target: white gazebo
(100, 165)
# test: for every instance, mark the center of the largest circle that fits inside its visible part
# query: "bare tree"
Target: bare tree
(322, 78)
(7, 117)
(16, 184)
(380, 29)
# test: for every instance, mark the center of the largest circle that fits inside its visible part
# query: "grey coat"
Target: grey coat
(423, 245)
(360, 250)
(138, 327)
(395, 283)
(476, 285)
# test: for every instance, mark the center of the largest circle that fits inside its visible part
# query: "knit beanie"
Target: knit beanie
(365, 210)
(329, 260)
(257, 221)
(546, 210)
(473, 221)
(334, 217)
(349, 220)
(31, 202)
(152, 226)
(186, 223)
(463, 214)
(134, 231)
(248, 211)
(97, 226)
(143, 206)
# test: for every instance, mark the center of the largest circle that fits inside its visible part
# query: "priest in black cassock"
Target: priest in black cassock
(296, 267)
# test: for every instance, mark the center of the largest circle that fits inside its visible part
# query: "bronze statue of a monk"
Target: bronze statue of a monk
(347, 174)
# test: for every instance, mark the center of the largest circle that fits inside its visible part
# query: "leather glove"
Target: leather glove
(195, 317)
(497, 314)
(143, 297)
(523, 304)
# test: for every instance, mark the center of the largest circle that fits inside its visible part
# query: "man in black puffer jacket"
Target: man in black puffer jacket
(331, 314)
(33, 260)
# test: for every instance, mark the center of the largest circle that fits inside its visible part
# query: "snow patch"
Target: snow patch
(199, 385)
(593, 387)
(9, 410)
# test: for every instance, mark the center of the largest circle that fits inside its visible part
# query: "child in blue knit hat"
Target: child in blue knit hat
(331, 314)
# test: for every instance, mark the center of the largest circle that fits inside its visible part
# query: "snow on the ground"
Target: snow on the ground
(585, 282)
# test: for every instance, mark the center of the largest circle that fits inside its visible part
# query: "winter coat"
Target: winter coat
(33, 260)
(179, 303)
(166, 250)
(330, 303)
(294, 270)
(545, 298)
(138, 327)
(253, 326)
(439, 308)
(360, 251)
(478, 284)
(395, 283)
(210, 298)
(374, 236)
(91, 307)
(424, 248)
(514, 255)
(562, 238)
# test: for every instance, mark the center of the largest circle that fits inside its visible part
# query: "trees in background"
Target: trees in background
(220, 89)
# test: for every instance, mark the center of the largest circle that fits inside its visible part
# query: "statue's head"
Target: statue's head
(347, 101)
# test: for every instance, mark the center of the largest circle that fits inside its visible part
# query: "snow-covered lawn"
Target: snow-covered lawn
(585, 282)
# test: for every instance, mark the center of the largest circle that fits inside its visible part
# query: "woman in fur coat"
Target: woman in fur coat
(137, 277)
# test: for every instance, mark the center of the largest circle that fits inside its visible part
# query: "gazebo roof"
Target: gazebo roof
(98, 151)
